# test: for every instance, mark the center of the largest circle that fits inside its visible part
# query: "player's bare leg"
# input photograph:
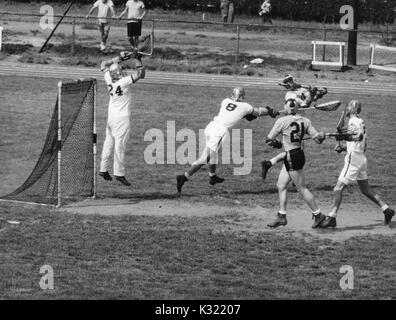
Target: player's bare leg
(214, 179)
(369, 193)
(267, 164)
(299, 181)
(283, 181)
(331, 221)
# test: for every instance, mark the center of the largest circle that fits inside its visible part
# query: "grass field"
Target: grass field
(213, 256)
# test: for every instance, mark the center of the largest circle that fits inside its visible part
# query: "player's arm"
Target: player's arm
(318, 137)
(113, 14)
(140, 71)
(124, 55)
(144, 12)
(271, 138)
(357, 131)
(261, 112)
(90, 11)
(123, 12)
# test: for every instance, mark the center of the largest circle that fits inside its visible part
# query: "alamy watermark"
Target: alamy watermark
(347, 280)
(47, 280)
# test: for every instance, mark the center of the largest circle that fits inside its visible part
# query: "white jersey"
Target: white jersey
(135, 9)
(232, 112)
(103, 10)
(120, 96)
(301, 95)
(358, 128)
(292, 128)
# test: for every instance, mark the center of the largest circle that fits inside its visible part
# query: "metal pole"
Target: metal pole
(59, 141)
(324, 46)
(237, 45)
(73, 35)
(94, 140)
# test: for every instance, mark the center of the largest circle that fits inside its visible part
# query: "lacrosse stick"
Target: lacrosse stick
(327, 106)
(338, 136)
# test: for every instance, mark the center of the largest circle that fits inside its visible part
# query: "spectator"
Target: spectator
(104, 7)
(265, 11)
(227, 11)
(136, 12)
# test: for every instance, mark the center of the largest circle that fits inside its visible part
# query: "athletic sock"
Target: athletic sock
(333, 214)
(384, 207)
(283, 213)
(317, 212)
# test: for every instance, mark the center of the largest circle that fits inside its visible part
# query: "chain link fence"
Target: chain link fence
(183, 45)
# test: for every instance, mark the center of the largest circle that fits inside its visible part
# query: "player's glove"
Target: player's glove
(125, 55)
(271, 112)
(320, 137)
(340, 148)
(274, 143)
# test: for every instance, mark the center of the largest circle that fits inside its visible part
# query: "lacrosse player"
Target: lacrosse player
(103, 6)
(265, 11)
(355, 167)
(232, 111)
(303, 96)
(118, 121)
(136, 12)
(293, 127)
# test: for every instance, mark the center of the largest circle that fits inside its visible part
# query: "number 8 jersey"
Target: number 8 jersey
(232, 112)
(120, 96)
(293, 128)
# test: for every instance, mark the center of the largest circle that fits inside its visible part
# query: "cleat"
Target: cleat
(265, 166)
(279, 221)
(389, 213)
(124, 181)
(181, 180)
(329, 222)
(318, 219)
(215, 179)
(106, 176)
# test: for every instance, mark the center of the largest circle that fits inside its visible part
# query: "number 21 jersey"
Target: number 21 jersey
(232, 112)
(293, 128)
(120, 96)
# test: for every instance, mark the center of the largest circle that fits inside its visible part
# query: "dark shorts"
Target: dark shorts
(294, 160)
(135, 28)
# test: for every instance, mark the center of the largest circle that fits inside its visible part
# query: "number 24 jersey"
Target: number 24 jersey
(120, 96)
(293, 128)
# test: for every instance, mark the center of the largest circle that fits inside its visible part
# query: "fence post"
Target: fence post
(73, 36)
(324, 46)
(237, 44)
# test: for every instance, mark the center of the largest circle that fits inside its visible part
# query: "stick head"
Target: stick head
(329, 106)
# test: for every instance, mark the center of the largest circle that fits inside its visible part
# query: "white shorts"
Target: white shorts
(214, 134)
(355, 168)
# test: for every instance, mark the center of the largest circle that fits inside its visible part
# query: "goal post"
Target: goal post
(382, 58)
(66, 169)
(338, 59)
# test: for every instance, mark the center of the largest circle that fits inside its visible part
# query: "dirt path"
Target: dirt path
(354, 220)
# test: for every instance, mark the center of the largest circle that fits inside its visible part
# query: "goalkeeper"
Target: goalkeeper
(118, 121)
(303, 96)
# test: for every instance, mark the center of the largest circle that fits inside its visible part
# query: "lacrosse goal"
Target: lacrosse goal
(382, 58)
(65, 170)
(333, 55)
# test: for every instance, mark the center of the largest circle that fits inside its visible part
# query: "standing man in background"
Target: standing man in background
(104, 7)
(265, 11)
(136, 12)
(227, 11)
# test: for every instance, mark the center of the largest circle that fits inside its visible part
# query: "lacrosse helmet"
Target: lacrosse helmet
(238, 94)
(291, 107)
(354, 107)
(115, 72)
(288, 82)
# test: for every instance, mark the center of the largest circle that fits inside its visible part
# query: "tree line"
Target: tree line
(375, 11)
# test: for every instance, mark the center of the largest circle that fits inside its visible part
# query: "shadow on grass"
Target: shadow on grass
(352, 228)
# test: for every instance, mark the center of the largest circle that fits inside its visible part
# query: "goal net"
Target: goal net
(65, 170)
(382, 58)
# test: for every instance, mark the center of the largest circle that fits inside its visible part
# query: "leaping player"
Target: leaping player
(355, 167)
(292, 128)
(232, 111)
(118, 122)
(303, 95)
